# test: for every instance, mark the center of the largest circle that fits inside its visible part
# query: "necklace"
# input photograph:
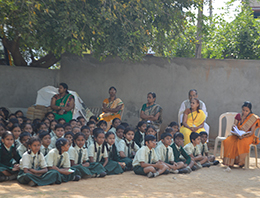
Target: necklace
(193, 119)
(62, 99)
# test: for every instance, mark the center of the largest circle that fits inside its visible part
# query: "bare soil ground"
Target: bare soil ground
(207, 182)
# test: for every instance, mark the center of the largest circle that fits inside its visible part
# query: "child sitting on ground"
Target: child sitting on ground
(193, 151)
(92, 126)
(165, 153)
(86, 131)
(140, 133)
(146, 161)
(45, 138)
(102, 124)
(180, 154)
(127, 147)
(79, 159)
(175, 126)
(115, 123)
(34, 168)
(204, 148)
(24, 137)
(59, 133)
(119, 135)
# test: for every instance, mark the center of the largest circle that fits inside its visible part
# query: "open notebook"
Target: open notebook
(239, 132)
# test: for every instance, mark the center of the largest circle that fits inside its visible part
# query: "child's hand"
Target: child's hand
(16, 167)
(86, 164)
(122, 164)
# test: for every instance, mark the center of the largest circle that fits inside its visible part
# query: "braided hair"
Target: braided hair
(59, 143)
(76, 137)
(30, 142)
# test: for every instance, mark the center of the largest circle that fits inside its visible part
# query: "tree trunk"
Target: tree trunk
(13, 47)
(199, 31)
(45, 62)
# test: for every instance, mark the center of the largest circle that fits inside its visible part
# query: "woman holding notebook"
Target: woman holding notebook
(236, 146)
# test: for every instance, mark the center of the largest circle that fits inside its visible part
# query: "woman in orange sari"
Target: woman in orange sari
(236, 147)
(193, 120)
(112, 108)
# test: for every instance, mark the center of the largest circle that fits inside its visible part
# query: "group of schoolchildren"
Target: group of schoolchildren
(49, 151)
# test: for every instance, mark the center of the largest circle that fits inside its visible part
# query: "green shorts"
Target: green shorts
(139, 170)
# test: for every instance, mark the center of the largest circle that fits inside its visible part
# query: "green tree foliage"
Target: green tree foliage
(41, 31)
(237, 39)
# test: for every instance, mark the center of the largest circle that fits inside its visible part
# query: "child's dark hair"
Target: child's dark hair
(14, 126)
(91, 122)
(30, 142)
(42, 134)
(7, 133)
(47, 114)
(66, 124)
(76, 137)
(35, 123)
(168, 130)
(61, 120)
(18, 111)
(2, 125)
(120, 127)
(11, 114)
(24, 134)
(194, 136)
(101, 122)
(128, 129)
(125, 124)
(108, 134)
(178, 134)
(150, 126)
(39, 126)
(59, 143)
(203, 133)
(2, 121)
(114, 120)
(80, 117)
(94, 118)
(149, 138)
(141, 123)
(164, 135)
(51, 124)
(72, 120)
(69, 133)
(96, 132)
(172, 124)
(84, 127)
(45, 119)
(14, 121)
(23, 125)
(58, 126)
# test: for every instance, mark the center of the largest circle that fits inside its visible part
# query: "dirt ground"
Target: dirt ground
(207, 182)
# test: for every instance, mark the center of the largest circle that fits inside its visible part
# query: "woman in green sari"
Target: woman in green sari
(63, 103)
(152, 112)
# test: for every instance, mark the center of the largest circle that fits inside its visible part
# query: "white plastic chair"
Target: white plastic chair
(230, 116)
(248, 156)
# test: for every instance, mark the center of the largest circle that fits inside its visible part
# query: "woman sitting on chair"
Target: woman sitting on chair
(236, 147)
(152, 112)
(112, 108)
(63, 103)
(193, 120)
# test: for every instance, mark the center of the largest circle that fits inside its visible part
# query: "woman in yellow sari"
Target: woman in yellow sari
(193, 120)
(236, 147)
(112, 108)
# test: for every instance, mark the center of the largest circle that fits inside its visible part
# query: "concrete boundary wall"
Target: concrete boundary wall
(222, 84)
(19, 85)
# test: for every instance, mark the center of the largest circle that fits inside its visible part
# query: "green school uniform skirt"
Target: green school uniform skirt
(127, 161)
(8, 170)
(50, 177)
(139, 170)
(112, 167)
(93, 168)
